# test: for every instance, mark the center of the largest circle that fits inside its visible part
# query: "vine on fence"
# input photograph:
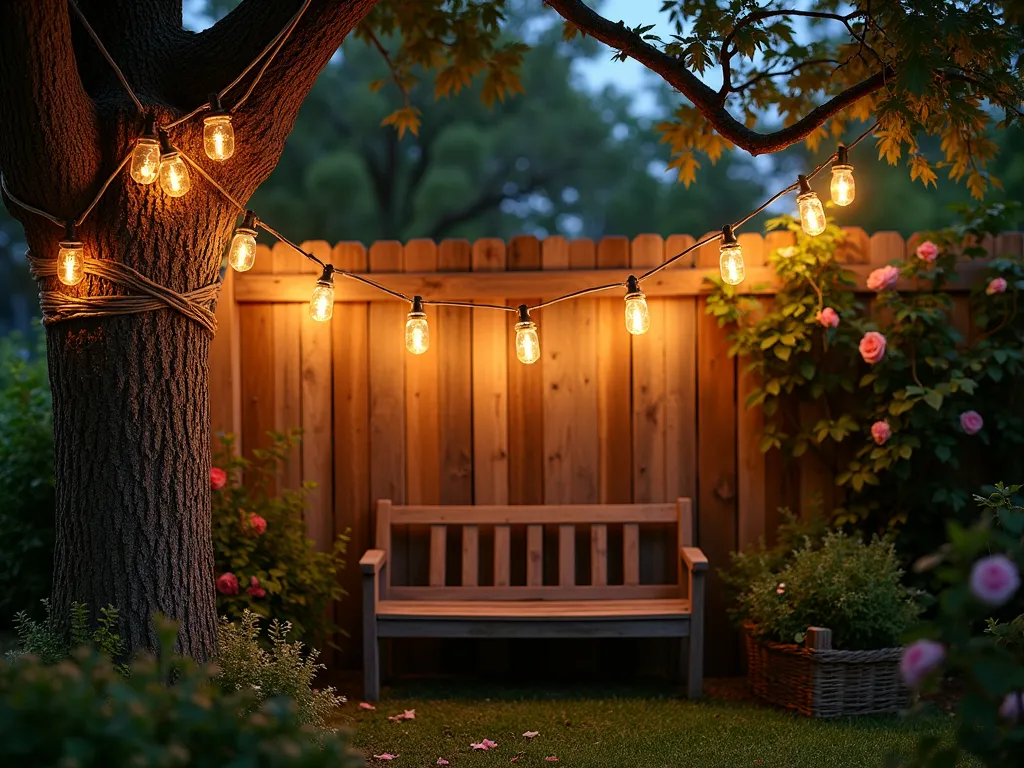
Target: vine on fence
(885, 390)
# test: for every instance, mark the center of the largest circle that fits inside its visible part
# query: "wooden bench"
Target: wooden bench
(535, 609)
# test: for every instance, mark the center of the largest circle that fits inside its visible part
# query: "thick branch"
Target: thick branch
(49, 135)
(703, 97)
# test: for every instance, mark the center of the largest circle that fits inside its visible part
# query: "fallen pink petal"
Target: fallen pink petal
(385, 756)
(442, 761)
(409, 714)
(532, 734)
(551, 759)
(367, 706)
(490, 744)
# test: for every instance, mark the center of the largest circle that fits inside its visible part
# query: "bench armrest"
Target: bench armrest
(372, 561)
(694, 559)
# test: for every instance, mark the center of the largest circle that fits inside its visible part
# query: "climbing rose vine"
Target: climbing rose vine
(876, 382)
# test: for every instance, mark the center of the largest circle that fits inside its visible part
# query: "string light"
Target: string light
(417, 333)
(321, 303)
(71, 258)
(218, 133)
(638, 317)
(730, 258)
(242, 253)
(812, 215)
(174, 178)
(843, 187)
(145, 165)
(527, 341)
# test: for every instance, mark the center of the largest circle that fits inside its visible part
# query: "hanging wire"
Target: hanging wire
(283, 39)
(263, 225)
(103, 189)
(30, 208)
(469, 305)
(210, 179)
(106, 54)
(576, 295)
(184, 118)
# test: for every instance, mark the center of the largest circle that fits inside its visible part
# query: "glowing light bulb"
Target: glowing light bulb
(638, 317)
(321, 304)
(218, 135)
(812, 215)
(527, 341)
(417, 333)
(730, 260)
(242, 253)
(843, 187)
(71, 259)
(145, 165)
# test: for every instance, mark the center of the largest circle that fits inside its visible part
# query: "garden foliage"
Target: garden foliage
(26, 476)
(905, 410)
(835, 581)
(264, 561)
(986, 664)
(81, 711)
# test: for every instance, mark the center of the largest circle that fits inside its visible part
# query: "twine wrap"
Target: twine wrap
(145, 296)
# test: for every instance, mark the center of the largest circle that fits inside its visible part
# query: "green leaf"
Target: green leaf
(934, 399)
(783, 353)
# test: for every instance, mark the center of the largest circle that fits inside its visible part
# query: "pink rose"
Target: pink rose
(997, 285)
(882, 278)
(218, 478)
(255, 590)
(918, 659)
(881, 432)
(872, 347)
(971, 422)
(227, 584)
(928, 251)
(827, 318)
(994, 579)
(257, 524)
(1011, 707)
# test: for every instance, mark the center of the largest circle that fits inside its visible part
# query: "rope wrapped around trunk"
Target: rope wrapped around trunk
(145, 296)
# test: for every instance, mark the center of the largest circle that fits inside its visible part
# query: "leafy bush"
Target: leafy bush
(987, 664)
(26, 476)
(281, 671)
(848, 586)
(49, 644)
(81, 712)
(895, 426)
(263, 559)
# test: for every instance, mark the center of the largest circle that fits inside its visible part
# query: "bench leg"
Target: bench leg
(371, 664)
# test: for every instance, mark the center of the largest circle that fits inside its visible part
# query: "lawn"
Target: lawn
(631, 728)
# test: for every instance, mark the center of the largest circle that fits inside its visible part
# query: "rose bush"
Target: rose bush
(264, 561)
(909, 414)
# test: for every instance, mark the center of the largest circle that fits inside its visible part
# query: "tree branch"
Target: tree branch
(49, 130)
(706, 100)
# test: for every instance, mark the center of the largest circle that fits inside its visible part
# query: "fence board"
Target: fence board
(256, 322)
(287, 321)
(680, 384)
(455, 384)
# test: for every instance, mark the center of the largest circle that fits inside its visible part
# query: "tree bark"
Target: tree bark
(130, 392)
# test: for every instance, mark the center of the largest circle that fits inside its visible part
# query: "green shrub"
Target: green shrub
(260, 534)
(27, 499)
(920, 455)
(848, 586)
(281, 671)
(44, 640)
(82, 712)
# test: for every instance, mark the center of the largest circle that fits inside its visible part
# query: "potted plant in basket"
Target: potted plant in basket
(822, 622)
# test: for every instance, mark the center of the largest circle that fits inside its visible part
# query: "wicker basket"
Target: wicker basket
(818, 681)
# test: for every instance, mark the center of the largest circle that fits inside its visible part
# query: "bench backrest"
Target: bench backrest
(566, 525)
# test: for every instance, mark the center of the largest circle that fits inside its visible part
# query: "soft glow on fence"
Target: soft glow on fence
(638, 316)
(844, 187)
(242, 253)
(527, 341)
(145, 165)
(730, 258)
(321, 303)
(417, 333)
(71, 259)
(812, 215)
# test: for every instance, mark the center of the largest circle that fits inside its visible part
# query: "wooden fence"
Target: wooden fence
(602, 417)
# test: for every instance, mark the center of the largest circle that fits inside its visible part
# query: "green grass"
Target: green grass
(621, 728)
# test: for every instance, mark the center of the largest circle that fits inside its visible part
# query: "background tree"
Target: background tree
(130, 392)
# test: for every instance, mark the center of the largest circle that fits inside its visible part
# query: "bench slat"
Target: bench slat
(470, 555)
(553, 592)
(534, 555)
(598, 555)
(566, 555)
(553, 610)
(528, 514)
(502, 555)
(631, 554)
(438, 553)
